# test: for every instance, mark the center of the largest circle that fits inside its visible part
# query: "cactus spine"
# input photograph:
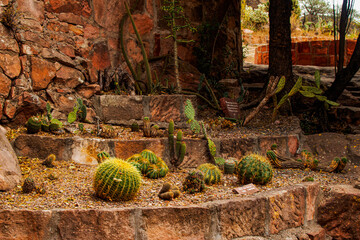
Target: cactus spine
(254, 168)
(116, 180)
(211, 172)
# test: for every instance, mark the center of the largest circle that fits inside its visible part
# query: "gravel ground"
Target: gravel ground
(73, 188)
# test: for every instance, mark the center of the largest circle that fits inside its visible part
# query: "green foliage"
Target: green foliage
(255, 169)
(212, 147)
(255, 19)
(33, 125)
(219, 161)
(212, 174)
(194, 182)
(117, 180)
(79, 111)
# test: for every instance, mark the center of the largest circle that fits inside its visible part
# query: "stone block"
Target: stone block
(125, 149)
(190, 223)
(197, 153)
(95, 224)
(313, 193)
(116, 107)
(5, 85)
(265, 143)
(287, 208)
(303, 47)
(304, 59)
(237, 147)
(242, 217)
(10, 64)
(24, 224)
(293, 144)
(42, 72)
(84, 151)
(166, 107)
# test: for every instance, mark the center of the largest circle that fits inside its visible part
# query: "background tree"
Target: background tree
(315, 9)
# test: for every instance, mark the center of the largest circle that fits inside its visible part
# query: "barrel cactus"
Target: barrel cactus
(229, 166)
(117, 180)
(33, 125)
(254, 168)
(157, 170)
(212, 174)
(194, 182)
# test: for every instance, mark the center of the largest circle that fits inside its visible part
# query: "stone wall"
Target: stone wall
(316, 53)
(60, 47)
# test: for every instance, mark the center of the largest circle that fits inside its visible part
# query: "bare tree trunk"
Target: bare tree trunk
(344, 76)
(280, 61)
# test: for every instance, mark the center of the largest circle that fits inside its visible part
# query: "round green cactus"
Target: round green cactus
(211, 172)
(194, 182)
(255, 169)
(149, 164)
(158, 170)
(150, 155)
(139, 162)
(33, 125)
(117, 180)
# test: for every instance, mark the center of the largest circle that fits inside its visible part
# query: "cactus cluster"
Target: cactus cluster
(107, 131)
(168, 192)
(149, 164)
(212, 174)
(254, 168)
(194, 182)
(116, 180)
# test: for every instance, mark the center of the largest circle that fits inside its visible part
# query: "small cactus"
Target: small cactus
(149, 164)
(33, 125)
(229, 166)
(219, 161)
(146, 127)
(29, 185)
(154, 130)
(135, 127)
(117, 180)
(107, 131)
(158, 170)
(102, 156)
(139, 162)
(177, 155)
(169, 192)
(49, 161)
(254, 168)
(194, 182)
(211, 172)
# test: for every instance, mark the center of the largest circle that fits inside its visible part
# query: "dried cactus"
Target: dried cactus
(117, 180)
(194, 182)
(337, 164)
(254, 168)
(135, 127)
(211, 172)
(107, 131)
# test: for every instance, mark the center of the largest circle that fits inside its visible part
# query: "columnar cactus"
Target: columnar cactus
(117, 180)
(146, 127)
(211, 172)
(33, 125)
(194, 182)
(254, 168)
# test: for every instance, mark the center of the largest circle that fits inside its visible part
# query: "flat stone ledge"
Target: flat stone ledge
(225, 219)
(84, 150)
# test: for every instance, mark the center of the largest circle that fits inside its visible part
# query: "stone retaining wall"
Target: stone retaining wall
(317, 53)
(265, 214)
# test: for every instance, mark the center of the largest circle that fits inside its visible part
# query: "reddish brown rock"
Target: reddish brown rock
(158, 223)
(316, 233)
(87, 91)
(287, 209)
(24, 224)
(10, 64)
(243, 217)
(69, 77)
(265, 143)
(32, 9)
(67, 50)
(134, 51)
(163, 108)
(64, 102)
(109, 13)
(238, 147)
(54, 55)
(71, 6)
(42, 72)
(125, 149)
(10, 173)
(100, 56)
(71, 18)
(76, 29)
(96, 224)
(91, 32)
(143, 23)
(29, 104)
(7, 40)
(5, 85)
(10, 107)
(293, 144)
(339, 212)
(313, 193)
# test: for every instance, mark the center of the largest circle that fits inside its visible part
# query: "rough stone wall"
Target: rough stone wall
(61, 46)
